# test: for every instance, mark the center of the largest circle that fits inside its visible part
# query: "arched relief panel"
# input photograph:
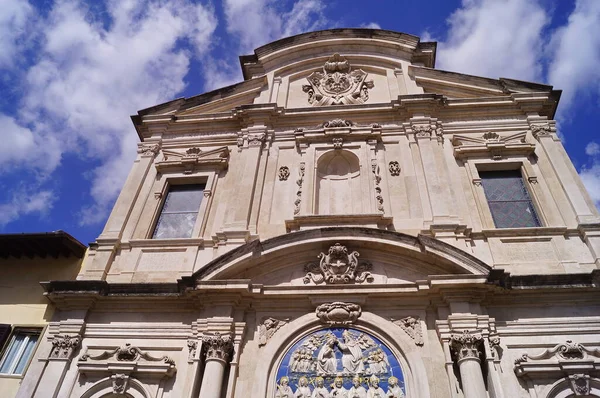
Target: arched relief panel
(401, 347)
(338, 185)
(106, 388)
(575, 386)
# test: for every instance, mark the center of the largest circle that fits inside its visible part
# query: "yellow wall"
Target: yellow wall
(21, 296)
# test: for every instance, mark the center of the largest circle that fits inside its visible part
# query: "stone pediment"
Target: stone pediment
(193, 159)
(335, 257)
(491, 143)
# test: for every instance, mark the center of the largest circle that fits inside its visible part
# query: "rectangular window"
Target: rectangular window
(19, 351)
(508, 199)
(179, 212)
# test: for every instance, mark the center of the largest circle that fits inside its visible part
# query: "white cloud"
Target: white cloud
(371, 25)
(24, 202)
(495, 39)
(15, 26)
(575, 51)
(90, 77)
(592, 149)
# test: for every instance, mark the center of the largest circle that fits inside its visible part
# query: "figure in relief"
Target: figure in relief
(320, 391)
(357, 390)
(394, 390)
(352, 355)
(378, 362)
(303, 390)
(283, 389)
(326, 360)
(374, 390)
(337, 389)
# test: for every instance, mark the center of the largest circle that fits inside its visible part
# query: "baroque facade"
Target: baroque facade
(348, 222)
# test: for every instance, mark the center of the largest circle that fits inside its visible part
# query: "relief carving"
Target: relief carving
(422, 130)
(284, 173)
(466, 345)
(338, 266)
(338, 313)
(193, 152)
(337, 143)
(218, 346)
(120, 383)
(337, 84)
(377, 178)
(491, 136)
(394, 168)
(149, 149)
(192, 348)
(256, 139)
(567, 351)
(126, 353)
(540, 130)
(267, 329)
(412, 327)
(580, 384)
(63, 347)
(299, 182)
(337, 123)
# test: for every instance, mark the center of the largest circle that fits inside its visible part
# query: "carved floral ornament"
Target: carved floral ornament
(466, 345)
(63, 347)
(284, 173)
(394, 168)
(337, 84)
(218, 346)
(338, 313)
(338, 266)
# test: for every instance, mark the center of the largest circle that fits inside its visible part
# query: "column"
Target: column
(218, 353)
(467, 349)
(63, 348)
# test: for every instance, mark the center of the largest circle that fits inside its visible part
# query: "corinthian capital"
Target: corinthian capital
(218, 346)
(63, 347)
(466, 345)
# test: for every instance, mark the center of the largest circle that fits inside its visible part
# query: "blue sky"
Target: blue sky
(72, 71)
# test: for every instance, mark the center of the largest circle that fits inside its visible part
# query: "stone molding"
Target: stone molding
(412, 327)
(218, 346)
(492, 145)
(193, 159)
(338, 313)
(64, 346)
(267, 329)
(467, 345)
(338, 266)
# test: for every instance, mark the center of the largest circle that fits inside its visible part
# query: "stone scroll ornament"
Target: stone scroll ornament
(339, 362)
(126, 353)
(338, 266)
(337, 84)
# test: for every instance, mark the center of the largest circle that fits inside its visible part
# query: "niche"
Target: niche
(338, 183)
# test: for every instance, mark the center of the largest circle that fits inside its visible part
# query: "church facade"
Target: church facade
(347, 222)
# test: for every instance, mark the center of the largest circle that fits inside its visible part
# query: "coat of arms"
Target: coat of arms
(338, 266)
(338, 84)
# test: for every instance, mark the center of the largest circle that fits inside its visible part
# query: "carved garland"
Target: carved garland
(377, 179)
(299, 182)
(394, 168)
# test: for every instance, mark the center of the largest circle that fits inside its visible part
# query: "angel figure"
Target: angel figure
(394, 390)
(283, 389)
(303, 390)
(357, 390)
(337, 389)
(374, 390)
(320, 391)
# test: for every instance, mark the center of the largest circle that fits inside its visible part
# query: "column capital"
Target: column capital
(466, 345)
(63, 347)
(217, 346)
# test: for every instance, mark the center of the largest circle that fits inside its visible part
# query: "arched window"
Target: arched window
(338, 185)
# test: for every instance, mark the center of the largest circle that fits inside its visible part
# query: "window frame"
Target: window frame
(16, 329)
(169, 188)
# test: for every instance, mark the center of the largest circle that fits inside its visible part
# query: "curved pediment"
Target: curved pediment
(342, 255)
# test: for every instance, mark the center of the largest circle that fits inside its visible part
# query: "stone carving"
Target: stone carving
(495, 346)
(283, 388)
(267, 329)
(394, 390)
(412, 326)
(192, 348)
(120, 383)
(337, 84)
(580, 384)
(377, 178)
(422, 130)
(193, 152)
(337, 143)
(256, 139)
(540, 130)
(127, 353)
(338, 313)
(491, 136)
(240, 142)
(149, 149)
(299, 182)
(338, 266)
(375, 391)
(466, 345)
(64, 346)
(394, 168)
(567, 351)
(337, 123)
(284, 173)
(218, 346)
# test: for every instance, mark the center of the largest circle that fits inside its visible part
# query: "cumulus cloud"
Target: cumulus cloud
(90, 76)
(26, 201)
(495, 39)
(575, 53)
(14, 22)
(371, 25)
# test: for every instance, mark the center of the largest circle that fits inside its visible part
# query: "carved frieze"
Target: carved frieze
(338, 313)
(283, 173)
(394, 168)
(218, 346)
(299, 182)
(337, 84)
(267, 329)
(338, 266)
(335, 123)
(126, 353)
(63, 347)
(412, 326)
(466, 345)
(567, 351)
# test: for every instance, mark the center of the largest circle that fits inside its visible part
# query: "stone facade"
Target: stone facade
(343, 245)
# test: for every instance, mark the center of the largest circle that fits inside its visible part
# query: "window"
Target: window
(179, 212)
(509, 200)
(18, 351)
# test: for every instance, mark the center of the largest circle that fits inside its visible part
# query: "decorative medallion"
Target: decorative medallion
(284, 173)
(338, 266)
(119, 383)
(338, 313)
(394, 168)
(340, 362)
(338, 84)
